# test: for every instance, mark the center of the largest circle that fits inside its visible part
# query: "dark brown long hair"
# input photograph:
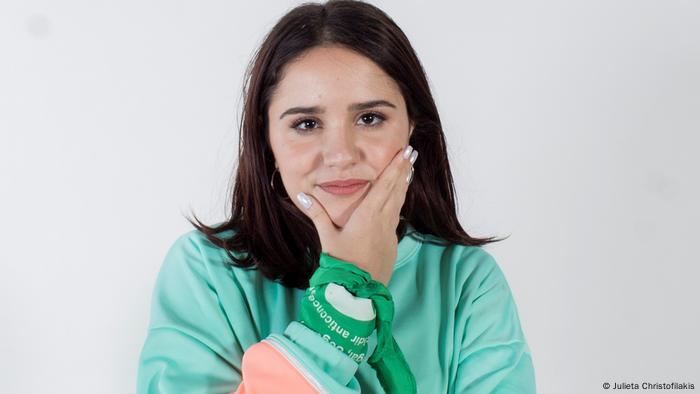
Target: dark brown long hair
(269, 232)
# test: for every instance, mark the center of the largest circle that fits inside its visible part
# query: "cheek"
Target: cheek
(380, 153)
(287, 151)
(296, 162)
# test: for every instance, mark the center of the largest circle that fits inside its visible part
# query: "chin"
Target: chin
(340, 221)
(340, 216)
(340, 212)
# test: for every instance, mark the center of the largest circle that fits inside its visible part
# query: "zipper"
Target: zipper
(309, 378)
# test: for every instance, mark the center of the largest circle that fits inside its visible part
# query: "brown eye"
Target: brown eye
(371, 117)
(308, 124)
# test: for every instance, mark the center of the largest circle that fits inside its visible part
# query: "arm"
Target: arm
(332, 335)
(300, 361)
(494, 356)
(191, 346)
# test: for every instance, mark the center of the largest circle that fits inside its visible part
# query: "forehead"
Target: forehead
(333, 74)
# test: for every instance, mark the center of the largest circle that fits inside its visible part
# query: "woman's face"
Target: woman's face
(322, 131)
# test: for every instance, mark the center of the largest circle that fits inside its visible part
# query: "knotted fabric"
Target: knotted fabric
(348, 334)
(388, 361)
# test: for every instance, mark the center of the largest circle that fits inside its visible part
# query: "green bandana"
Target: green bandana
(345, 333)
(388, 361)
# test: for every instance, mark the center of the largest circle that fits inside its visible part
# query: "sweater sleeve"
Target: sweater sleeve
(191, 347)
(494, 356)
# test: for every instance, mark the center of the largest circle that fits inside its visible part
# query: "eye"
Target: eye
(372, 116)
(306, 122)
(306, 125)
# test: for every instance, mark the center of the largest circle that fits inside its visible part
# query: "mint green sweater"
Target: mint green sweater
(455, 321)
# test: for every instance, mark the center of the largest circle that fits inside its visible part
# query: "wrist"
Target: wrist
(381, 277)
(342, 319)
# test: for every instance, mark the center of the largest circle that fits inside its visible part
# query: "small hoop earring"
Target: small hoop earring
(272, 179)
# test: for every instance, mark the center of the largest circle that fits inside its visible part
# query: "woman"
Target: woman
(343, 266)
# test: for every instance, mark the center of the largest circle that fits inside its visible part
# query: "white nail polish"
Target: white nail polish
(414, 156)
(407, 151)
(304, 200)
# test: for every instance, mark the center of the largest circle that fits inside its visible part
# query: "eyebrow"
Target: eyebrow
(351, 107)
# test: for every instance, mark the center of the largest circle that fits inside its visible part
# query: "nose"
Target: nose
(339, 148)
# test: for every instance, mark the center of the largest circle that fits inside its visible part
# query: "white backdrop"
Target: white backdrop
(571, 127)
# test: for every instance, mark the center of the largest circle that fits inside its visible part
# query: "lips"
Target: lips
(344, 187)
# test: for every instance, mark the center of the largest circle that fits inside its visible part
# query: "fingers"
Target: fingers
(394, 175)
(397, 196)
(316, 212)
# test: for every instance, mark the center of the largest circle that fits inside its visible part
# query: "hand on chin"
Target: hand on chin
(341, 211)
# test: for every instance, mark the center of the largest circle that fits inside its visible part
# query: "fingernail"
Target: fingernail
(407, 151)
(304, 200)
(414, 156)
(409, 178)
